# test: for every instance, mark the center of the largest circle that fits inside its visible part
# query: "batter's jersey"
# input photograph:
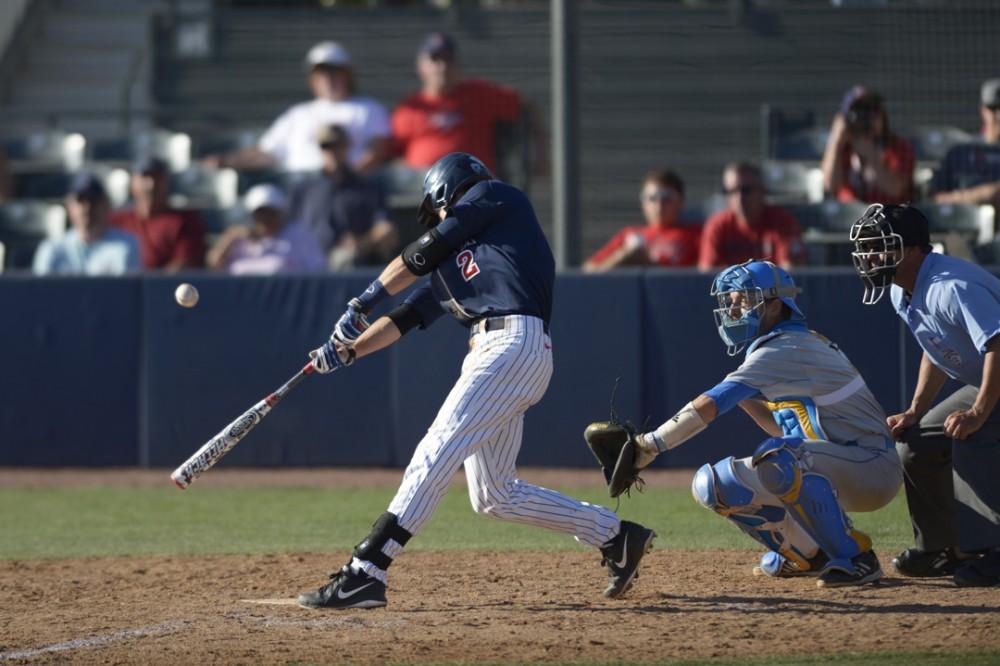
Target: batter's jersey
(812, 389)
(953, 312)
(500, 263)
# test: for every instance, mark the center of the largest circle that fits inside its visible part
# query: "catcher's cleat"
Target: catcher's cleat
(346, 589)
(622, 555)
(777, 565)
(866, 570)
(916, 563)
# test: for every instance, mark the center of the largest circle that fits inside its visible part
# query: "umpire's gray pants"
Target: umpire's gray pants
(952, 486)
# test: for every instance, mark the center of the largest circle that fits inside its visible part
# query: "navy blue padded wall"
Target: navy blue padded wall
(68, 385)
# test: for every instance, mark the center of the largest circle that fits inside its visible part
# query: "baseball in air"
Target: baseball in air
(186, 295)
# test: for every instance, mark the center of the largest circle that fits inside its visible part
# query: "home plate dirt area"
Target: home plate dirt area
(464, 606)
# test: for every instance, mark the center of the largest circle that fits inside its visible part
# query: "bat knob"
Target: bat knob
(179, 481)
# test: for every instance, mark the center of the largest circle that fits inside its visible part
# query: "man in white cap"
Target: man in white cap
(970, 173)
(290, 144)
(270, 243)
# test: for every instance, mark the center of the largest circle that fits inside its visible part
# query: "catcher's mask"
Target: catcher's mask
(879, 237)
(446, 178)
(741, 292)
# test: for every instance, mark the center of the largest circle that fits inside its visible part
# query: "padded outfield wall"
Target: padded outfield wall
(112, 372)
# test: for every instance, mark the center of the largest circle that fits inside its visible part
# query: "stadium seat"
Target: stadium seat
(204, 188)
(960, 228)
(45, 150)
(226, 141)
(790, 182)
(173, 147)
(825, 230)
(932, 142)
(25, 224)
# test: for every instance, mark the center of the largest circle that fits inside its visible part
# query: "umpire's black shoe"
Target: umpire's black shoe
(622, 555)
(916, 563)
(346, 589)
(866, 570)
(980, 572)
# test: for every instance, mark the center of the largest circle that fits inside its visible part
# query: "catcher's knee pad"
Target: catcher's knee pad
(384, 529)
(811, 499)
(716, 487)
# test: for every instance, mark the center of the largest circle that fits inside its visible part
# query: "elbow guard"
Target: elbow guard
(426, 253)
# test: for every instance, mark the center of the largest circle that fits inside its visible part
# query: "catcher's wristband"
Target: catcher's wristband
(681, 427)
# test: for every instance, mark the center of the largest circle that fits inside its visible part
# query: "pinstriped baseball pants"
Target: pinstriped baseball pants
(480, 424)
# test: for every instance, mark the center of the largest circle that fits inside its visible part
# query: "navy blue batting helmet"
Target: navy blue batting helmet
(446, 178)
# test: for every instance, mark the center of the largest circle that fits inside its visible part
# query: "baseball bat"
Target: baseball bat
(212, 451)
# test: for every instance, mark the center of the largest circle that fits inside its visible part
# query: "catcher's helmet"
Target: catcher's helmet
(879, 237)
(741, 291)
(445, 179)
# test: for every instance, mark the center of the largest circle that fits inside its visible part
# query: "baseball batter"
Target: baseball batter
(829, 449)
(487, 262)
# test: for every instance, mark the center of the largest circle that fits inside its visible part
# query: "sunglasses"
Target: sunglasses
(665, 196)
(745, 190)
(330, 145)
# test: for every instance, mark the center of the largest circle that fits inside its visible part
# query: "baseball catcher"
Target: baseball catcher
(828, 449)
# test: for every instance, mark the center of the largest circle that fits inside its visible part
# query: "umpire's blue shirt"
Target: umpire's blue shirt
(953, 312)
(501, 262)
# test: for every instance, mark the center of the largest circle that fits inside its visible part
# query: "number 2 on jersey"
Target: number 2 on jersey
(467, 263)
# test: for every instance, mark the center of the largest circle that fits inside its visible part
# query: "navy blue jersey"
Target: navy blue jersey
(500, 264)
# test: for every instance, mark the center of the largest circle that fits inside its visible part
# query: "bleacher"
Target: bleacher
(660, 84)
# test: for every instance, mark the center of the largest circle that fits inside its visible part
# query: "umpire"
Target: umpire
(951, 452)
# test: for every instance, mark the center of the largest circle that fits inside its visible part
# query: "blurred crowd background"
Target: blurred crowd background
(267, 136)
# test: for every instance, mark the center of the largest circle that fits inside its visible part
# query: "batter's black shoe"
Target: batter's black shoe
(866, 570)
(346, 589)
(622, 555)
(980, 572)
(916, 563)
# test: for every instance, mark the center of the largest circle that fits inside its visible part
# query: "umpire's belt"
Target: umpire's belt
(487, 324)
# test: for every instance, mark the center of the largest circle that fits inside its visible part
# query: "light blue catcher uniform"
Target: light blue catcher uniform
(835, 453)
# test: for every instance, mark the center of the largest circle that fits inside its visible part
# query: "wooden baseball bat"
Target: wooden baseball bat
(213, 450)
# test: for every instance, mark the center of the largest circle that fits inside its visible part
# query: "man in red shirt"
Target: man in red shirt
(749, 228)
(168, 239)
(659, 242)
(863, 160)
(450, 114)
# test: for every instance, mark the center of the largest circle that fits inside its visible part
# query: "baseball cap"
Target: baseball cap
(438, 43)
(990, 93)
(332, 134)
(910, 224)
(87, 186)
(265, 195)
(150, 164)
(329, 53)
(858, 95)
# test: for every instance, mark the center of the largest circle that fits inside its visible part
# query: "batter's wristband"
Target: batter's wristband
(372, 296)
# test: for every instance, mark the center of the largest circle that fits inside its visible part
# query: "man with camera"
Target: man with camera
(864, 161)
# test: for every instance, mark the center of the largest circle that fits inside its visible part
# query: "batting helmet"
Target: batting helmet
(741, 292)
(879, 237)
(445, 179)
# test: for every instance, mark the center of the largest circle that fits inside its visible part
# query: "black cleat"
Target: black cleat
(916, 563)
(980, 572)
(866, 570)
(622, 555)
(346, 589)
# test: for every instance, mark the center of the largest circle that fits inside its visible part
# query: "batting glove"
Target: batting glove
(331, 356)
(351, 324)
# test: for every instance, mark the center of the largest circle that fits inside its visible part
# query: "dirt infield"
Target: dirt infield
(457, 606)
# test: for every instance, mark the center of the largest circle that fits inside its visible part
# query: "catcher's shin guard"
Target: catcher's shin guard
(810, 499)
(717, 487)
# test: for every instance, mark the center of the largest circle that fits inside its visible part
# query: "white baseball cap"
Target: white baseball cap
(328, 53)
(265, 195)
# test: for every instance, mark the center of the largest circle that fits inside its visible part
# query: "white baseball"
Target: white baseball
(186, 295)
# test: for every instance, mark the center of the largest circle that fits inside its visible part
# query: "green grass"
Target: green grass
(73, 522)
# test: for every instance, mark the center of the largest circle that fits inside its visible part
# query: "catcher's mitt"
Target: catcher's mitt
(614, 447)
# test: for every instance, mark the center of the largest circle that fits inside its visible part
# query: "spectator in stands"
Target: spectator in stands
(749, 228)
(6, 186)
(290, 143)
(170, 239)
(91, 246)
(662, 241)
(864, 161)
(970, 173)
(344, 210)
(449, 113)
(270, 243)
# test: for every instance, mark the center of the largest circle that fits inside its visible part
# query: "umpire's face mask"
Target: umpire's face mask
(877, 252)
